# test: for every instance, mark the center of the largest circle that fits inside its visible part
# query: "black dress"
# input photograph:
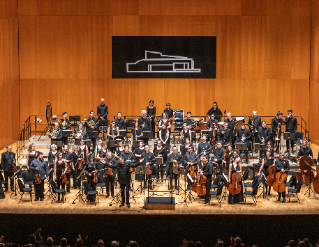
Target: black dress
(186, 134)
(152, 112)
(237, 198)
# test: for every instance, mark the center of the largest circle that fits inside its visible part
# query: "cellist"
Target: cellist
(282, 165)
(305, 150)
(235, 167)
(267, 161)
(207, 171)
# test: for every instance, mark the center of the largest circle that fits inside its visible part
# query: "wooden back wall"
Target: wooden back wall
(60, 51)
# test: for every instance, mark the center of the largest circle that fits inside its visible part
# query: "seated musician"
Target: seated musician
(92, 126)
(243, 137)
(173, 158)
(56, 133)
(168, 110)
(145, 124)
(254, 124)
(266, 163)
(164, 137)
(68, 158)
(190, 159)
(207, 171)
(80, 134)
(216, 111)
(219, 156)
(186, 145)
(160, 151)
(148, 160)
(204, 147)
(112, 133)
(282, 165)
(119, 121)
(189, 122)
(186, 133)
(90, 169)
(234, 167)
(107, 177)
(224, 134)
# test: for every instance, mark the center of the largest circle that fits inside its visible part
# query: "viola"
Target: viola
(235, 188)
(14, 167)
(95, 180)
(64, 179)
(199, 186)
(271, 175)
(38, 178)
(81, 162)
(109, 171)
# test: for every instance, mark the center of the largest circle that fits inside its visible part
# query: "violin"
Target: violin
(64, 178)
(38, 178)
(109, 171)
(81, 162)
(199, 186)
(95, 180)
(235, 188)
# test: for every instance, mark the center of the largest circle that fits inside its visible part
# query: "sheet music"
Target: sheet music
(226, 178)
(190, 178)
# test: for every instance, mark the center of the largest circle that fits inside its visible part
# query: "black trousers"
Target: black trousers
(208, 185)
(109, 180)
(290, 142)
(7, 177)
(94, 144)
(59, 182)
(64, 140)
(69, 182)
(125, 191)
(172, 176)
(160, 169)
(39, 189)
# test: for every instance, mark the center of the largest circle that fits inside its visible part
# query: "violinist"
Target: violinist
(108, 178)
(282, 165)
(207, 171)
(163, 121)
(243, 136)
(76, 155)
(7, 159)
(113, 132)
(189, 122)
(90, 169)
(186, 133)
(266, 162)
(39, 166)
(51, 158)
(291, 127)
(235, 167)
(164, 137)
(204, 147)
(190, 159)
(92, 126)
(219, 156)
(148, 160)
(68, 157)
(160, 151)
(151, 112)
(30, 155)
(128, 156)
(173, 158)
(59, 168)
(84, 149)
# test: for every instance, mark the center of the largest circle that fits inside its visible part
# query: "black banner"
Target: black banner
(163, 57)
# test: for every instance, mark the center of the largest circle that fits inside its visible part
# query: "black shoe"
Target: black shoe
(107, 195)
(35, 199)
(169, 188)
(122, 205)
(176, 187)
(130, 189)
(41, 199)
(284, 200)
(206, 202)
(113, 196)
(128, 205)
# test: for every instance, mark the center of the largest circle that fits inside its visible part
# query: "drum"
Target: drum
(202, 126)
(239, 121)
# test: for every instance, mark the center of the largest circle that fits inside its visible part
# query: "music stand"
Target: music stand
(123, 133)
(209, 133)
(57, 143)
(260, 147)
(66, 133)
(103, 122)
(147, 134)
(182, 149)
(179, 170)
(93, 134)
(113, 143)
(289, 136)
(50, 189)
(193, 135)
(88, 143)
(75, 118)
(141, 170)
(135, 144)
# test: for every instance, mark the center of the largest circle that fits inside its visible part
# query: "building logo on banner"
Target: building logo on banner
(164, 57)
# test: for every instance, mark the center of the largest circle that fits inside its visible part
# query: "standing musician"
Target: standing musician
(136, 133)
(148, 160)
(51, 158)
(230, 154)
(108, 178)
(39, 166)
(190, 159)
(305, 150)
(168, 110)
(7, 159)
(204, 147)
(145, 123)
(102, 110)
(119, 121)
(232, 126)
(264, 133)
(225, 134)
(90, 169)
(151, 112)
(164, 137)
(243, 136)
(160, 151)
(80, 134)
(216, 111)
(189, 122)
(30, 154)
(282, 165)
(112, 133)
(254, 124)
(127, 155)
(186, 133)
(266, 163)
(64, 125)
(219, 156)
(56, 133)
(98, 148)
(123, 172)
(173, 159)
(92, 126)
(76, 156)
(207, 171)
(164, 120)
(276, 123)
(235, 167)
(68, 158)
(59, 168)
(84, 149)
(291, 127)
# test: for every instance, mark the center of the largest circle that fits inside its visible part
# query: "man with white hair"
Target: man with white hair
(145, 123)
(102, 110)
(254, 124)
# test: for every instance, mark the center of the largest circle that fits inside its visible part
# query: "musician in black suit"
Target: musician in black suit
(145, 124)
(102, 110)
(122, 168)
(92, 126)
(65, 124)
(224, 134)
(39, 166)
(207, 171)
(107, 177)
(148, 160)
(276, 124)
(190, 159)
(173, 158)
(216, 111)
(291, 127)
(127, 155)
(151, 112)
(119, 121)
(160, 151)
(204, 147)
(7, 159)
(282, 165)
(219, 156)
(264, 133)
(189, 122)
(243, 136)
(254, 124)
(305, 151)
(56, 133)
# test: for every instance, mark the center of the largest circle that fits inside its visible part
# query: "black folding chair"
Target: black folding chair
(296, 190)
(251, 185)
(100, 185)
(56, 191)
(292, 181)
(27, 179)
(23, 189)
(216, 182)
(217, 193)
(88, 192)
(252, 193)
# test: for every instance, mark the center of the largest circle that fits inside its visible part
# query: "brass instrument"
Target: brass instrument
(255, 130)
(91, 122)
(61, 121)
(278, 132)
(53, 133)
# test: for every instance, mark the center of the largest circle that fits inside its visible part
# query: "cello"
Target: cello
(271, 178)
(315, 182)
(280, 185)
(199, 186)
(235, 188)
(305, 173)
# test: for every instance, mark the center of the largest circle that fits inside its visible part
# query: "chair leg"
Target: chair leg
(298, 198)
(289, 195)
(245, 200)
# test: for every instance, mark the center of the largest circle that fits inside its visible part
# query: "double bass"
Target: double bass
(280, 185)
(199, 186)
(305, 173)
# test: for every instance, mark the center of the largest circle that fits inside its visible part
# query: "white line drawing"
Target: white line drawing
(156, 62)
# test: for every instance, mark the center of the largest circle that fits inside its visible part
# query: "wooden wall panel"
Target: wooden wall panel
(8, 8)
(289, 8)
(253, 7)
(228, 7)
(40, 7)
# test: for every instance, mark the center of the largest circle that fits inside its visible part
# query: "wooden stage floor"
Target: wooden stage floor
(308, 205)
